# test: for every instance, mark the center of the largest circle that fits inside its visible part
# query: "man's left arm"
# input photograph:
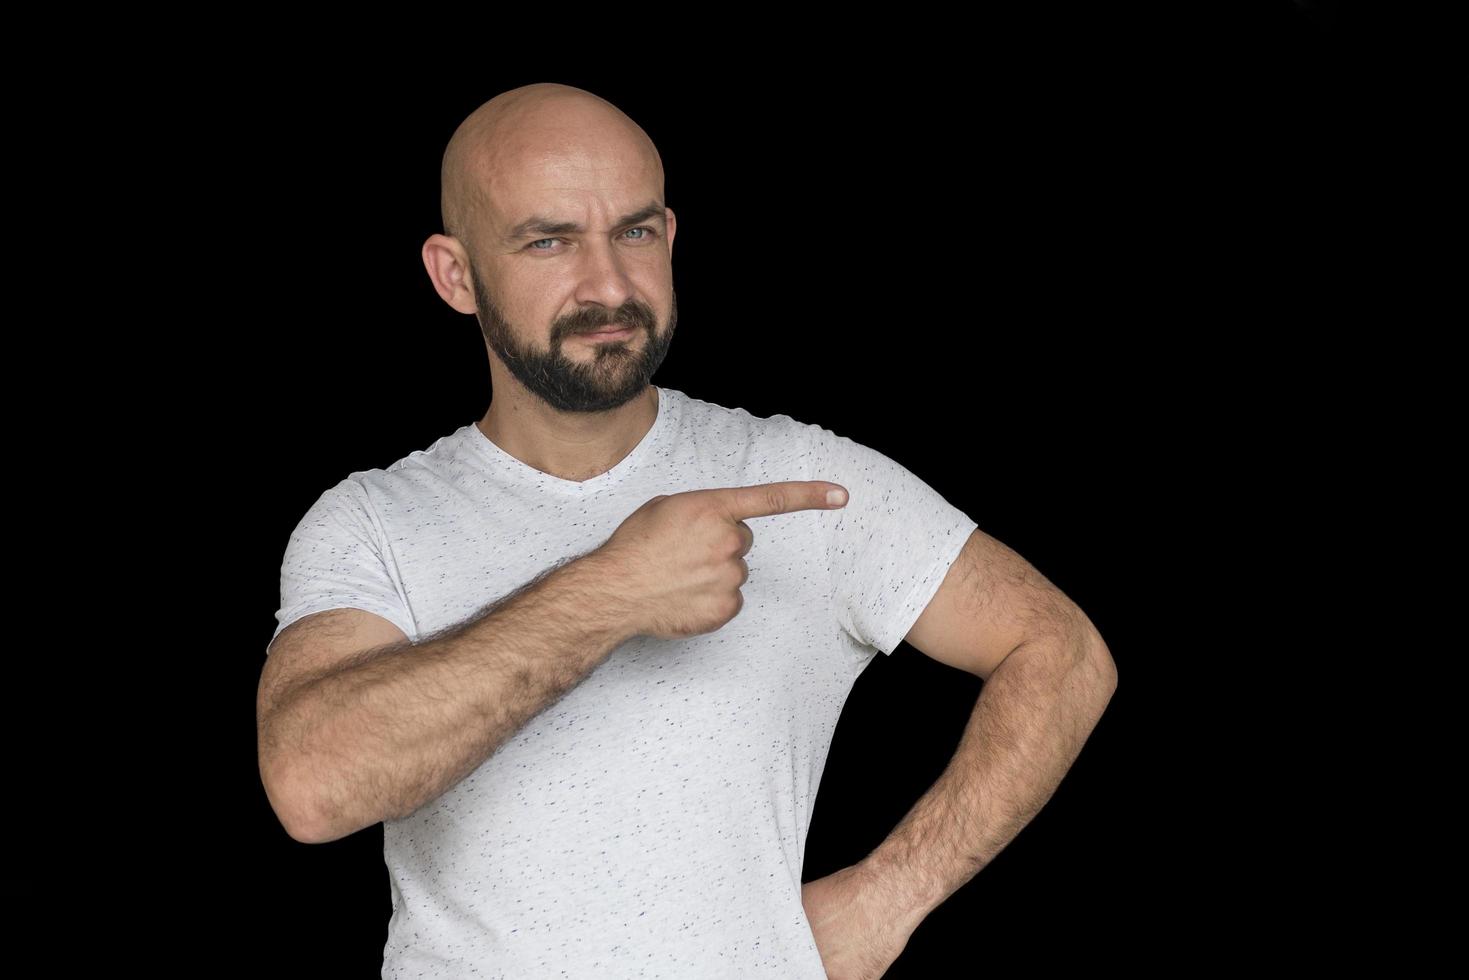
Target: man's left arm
(1048, 677)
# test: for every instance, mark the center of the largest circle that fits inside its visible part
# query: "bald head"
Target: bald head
(518, 131)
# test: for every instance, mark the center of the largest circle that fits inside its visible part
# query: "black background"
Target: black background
(1067, 268)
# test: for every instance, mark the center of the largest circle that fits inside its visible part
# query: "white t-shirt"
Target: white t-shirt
(652, 822)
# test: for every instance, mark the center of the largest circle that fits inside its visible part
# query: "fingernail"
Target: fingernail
(836, 497)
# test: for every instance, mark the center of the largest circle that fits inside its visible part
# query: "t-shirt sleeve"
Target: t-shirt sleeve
(336, 557)
(890, 547)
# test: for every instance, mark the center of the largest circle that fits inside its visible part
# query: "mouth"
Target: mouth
(609, 333)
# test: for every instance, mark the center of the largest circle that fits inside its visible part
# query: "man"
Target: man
(584, 657)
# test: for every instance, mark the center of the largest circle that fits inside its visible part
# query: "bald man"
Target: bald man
(525, 170)
(583, 657)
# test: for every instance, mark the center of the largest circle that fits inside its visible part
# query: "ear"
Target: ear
(672, 228)
(448, 269)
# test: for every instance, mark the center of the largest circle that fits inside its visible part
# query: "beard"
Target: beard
(616, 372)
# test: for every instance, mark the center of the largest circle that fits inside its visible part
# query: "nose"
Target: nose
(604, 279)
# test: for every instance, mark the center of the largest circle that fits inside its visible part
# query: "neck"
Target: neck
(569, 445)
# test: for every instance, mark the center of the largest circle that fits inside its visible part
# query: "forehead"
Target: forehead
(574, 181)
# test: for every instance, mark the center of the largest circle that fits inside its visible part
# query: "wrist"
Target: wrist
(598, 584)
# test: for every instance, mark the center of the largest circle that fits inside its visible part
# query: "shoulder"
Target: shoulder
(738, 424)
(411, 479)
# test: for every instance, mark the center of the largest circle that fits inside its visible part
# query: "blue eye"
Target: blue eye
(650, 234)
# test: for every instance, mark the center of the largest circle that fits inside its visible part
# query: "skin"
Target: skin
(563, 403)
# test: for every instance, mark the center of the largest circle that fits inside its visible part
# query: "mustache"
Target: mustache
(592, 323)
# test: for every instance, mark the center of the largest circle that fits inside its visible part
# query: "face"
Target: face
(597, 374)
(541, 296)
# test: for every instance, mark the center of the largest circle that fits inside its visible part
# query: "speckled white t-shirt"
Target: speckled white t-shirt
(652, 822)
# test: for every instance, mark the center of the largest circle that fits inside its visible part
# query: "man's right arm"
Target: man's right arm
(379, 738)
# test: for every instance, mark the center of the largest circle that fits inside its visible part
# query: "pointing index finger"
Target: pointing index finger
(784, 497)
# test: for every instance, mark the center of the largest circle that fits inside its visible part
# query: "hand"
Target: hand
(677, 562)
(857, 936)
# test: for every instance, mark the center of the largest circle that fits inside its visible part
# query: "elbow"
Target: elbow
(1105, 666)
(304, 818)
(304, 832)
(291, 807)
(1093, 656)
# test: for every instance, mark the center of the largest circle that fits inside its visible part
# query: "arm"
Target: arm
(1034, 712)
(1048, 677)
(393, 730)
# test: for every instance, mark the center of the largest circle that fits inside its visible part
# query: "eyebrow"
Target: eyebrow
(537, 225)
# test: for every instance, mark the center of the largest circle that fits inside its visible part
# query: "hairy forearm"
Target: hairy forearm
(1033, 715)
(395, 730)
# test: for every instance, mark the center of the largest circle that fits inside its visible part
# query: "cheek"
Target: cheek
(655, 286)
(535, 303)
